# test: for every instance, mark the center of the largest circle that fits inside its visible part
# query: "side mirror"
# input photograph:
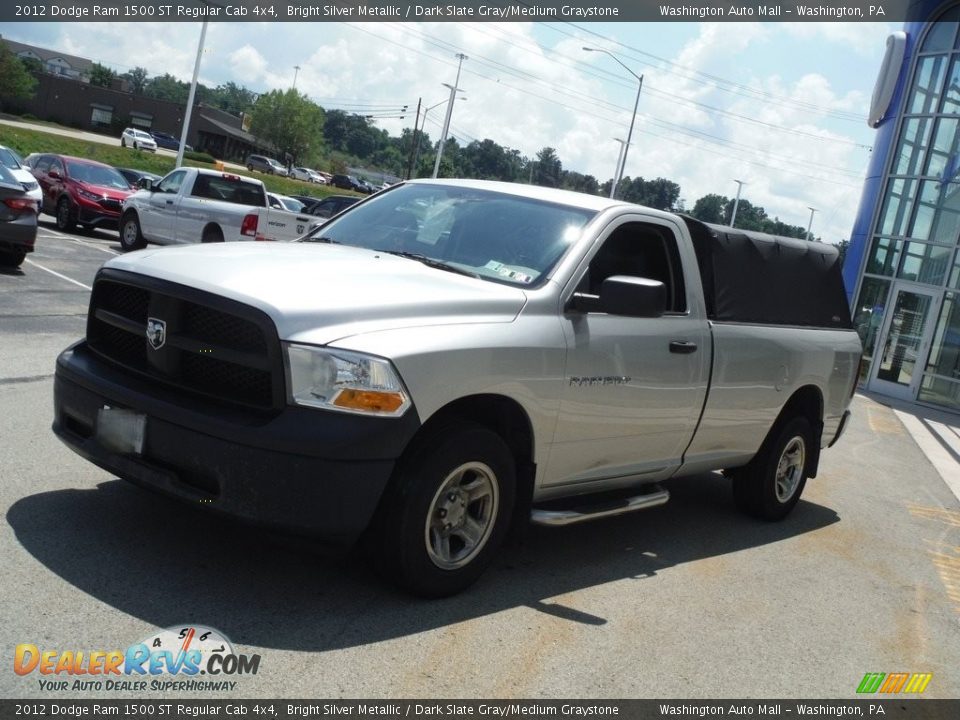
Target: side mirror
(625, 295)
(145, 184)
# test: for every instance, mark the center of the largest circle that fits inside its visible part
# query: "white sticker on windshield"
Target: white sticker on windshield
(506, 272)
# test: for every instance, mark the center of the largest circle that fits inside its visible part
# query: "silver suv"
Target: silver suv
(264, 164)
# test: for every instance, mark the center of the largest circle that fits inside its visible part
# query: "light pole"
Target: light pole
(416, 154)
(810, 224)
(193, 93)
(454, 89)
(616, 173)
(736, 203)
(296, 69)
(636, 104)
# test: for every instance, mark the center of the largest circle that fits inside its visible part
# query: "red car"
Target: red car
(79, 191)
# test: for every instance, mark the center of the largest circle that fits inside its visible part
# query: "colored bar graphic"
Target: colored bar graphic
(870, 683)
(918, 682)
(895, 681)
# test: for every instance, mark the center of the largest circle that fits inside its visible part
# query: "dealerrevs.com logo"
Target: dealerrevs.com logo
(188, 658)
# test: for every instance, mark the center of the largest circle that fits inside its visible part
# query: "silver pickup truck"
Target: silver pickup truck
(450, 358)
(191, 205)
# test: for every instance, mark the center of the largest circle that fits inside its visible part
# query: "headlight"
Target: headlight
(343, 380)
(89, 195)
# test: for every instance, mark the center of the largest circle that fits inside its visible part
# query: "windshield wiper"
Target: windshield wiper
(432, 263)
(324, 239)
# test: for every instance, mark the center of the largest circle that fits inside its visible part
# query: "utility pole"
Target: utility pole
(736, 203)
(296, 69)
(454, 89)
(414, 141)
(618, 171)
(810, 224)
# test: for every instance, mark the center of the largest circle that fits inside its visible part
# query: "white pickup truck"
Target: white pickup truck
(192, 205)
(450, 358)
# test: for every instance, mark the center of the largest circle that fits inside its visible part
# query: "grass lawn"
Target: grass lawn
(31, 141)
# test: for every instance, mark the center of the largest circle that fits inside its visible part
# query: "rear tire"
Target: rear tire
(12, 258)
(770, 486)
(446, 512)
(131, 238)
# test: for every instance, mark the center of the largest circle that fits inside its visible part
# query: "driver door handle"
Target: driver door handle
(682, 346)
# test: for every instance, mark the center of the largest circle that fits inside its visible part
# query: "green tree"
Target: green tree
(711, 209)
(547, 169)
(232, 98)
(16, 83)
(289, 121)
(580, 183)
(101, 75)
(137, 79)
(167, 87)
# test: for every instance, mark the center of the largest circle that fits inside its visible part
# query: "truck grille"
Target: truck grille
(210, 346)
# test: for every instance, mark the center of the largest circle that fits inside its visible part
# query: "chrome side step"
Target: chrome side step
(556, 518)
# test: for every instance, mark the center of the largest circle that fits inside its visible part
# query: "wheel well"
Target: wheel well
(806, 402)
(509, 420)
(211, 228)
(127, 214)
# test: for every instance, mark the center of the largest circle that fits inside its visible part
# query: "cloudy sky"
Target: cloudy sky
(780, 106)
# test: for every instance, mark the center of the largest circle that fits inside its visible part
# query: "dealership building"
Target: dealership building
(903, 263)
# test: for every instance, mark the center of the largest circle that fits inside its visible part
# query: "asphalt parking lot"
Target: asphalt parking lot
(687, 600)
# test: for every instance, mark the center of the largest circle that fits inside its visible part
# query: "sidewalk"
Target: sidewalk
(936, 432)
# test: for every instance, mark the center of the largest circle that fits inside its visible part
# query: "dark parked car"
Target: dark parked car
(76, 190)
(330, 206)
(18, 220)
(168, 141)
(264, 164)
(135, 176)
(346, 182)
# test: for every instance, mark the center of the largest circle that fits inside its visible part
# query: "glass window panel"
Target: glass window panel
(940, 391)
(925, 263)
(946, 223)
(913, 141)
(945, 349)
(884, 256)
(868, 315)
(954, 280)
(951, 94)
(941, 34)
(926, 210)
(945, 144)
(897, 206)
(927, 84)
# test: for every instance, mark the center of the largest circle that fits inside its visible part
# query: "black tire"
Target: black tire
(212, 235)
(131, 237)
(250, 168)
(65, 219)
(12, 258)
(123, 142)
(770, 486)
(459, 483)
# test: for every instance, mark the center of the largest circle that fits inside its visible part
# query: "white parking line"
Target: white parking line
(935, 442)
(54, 272)
(95, 247)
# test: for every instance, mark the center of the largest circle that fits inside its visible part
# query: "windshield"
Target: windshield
(496, 236)
(9, 159)
(291, 204)
(97, 175)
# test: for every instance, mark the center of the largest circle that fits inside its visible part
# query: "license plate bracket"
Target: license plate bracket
(121, 431)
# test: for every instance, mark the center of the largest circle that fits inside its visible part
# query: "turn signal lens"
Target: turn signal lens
(369, 400)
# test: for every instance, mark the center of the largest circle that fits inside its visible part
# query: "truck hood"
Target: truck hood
(318, 293)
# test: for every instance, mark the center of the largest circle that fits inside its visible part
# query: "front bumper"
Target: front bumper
(97, 216)
(304, 471)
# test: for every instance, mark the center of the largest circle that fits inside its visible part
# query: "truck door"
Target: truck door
(157, 218)
(633, 387)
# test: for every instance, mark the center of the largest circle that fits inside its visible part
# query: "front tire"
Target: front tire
(131, 237)
(65, 220)
(447, 511)
(770, 486)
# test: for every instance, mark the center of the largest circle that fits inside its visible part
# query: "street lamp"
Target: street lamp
(296, 69)
(454, 89)
(633, 117)
(736, 203)
(416, 152)
(810, 224)
(193, 93)
(616, 172)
